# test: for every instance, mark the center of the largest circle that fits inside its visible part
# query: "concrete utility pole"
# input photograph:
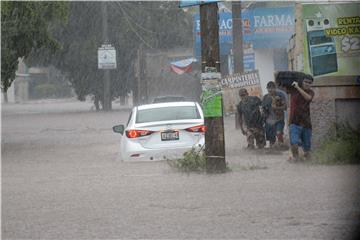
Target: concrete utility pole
(237, 37)
(139, 76)
(210, 57)
(238, 51)
(107, 94)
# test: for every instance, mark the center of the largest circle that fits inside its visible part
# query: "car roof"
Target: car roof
(170, 96)
(166, 104)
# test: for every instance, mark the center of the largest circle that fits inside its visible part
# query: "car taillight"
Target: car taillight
(137, 133)
(200, 128)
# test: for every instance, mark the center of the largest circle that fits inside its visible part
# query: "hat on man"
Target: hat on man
(243, 91)
(271, 84)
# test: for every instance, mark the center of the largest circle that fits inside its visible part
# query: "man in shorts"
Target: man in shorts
(300, 121)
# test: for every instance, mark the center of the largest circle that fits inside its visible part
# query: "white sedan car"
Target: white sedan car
(161, 131)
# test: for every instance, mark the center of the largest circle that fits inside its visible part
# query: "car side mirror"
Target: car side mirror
(119, 129)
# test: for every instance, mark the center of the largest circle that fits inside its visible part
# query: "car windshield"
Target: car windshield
(167, 113)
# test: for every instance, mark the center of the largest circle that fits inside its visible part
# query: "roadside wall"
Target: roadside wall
(335, 103)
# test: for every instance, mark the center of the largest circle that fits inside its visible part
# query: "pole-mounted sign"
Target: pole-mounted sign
(106, 57)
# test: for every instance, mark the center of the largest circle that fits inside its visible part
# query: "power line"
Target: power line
(142, 28)
(154, 9)
(131, 26)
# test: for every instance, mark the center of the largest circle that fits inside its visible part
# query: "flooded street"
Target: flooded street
(62, 178)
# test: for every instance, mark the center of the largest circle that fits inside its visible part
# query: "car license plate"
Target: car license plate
(170, 136)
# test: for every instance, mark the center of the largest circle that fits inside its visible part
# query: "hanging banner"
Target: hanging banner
(332, 39)
(231, 85)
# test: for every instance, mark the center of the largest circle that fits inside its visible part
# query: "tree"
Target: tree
(26, 26)
(153, 24)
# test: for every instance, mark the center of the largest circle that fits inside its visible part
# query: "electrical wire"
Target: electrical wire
(153, 9)
(131, 26)
(142, 28)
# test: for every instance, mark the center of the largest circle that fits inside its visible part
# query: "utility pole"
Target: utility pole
(210, 57)
(139, 75)
(237, 37)
(107, 94)
(238, 51)
(137, 78)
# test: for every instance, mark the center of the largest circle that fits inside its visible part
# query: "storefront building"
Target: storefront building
(327, 45)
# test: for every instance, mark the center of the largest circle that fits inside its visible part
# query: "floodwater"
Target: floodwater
(62, 178)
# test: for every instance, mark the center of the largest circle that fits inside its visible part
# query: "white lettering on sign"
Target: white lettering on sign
(197, 25)
(350, 44)
(241, 80)
(273, 20)
(224, 24)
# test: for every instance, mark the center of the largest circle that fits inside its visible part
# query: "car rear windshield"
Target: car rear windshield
(168, 99)
(167, 113)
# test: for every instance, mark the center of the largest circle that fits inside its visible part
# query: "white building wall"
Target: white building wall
(264, 62)
(10, 94)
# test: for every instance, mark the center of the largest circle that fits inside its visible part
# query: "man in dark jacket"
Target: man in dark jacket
(250, 119)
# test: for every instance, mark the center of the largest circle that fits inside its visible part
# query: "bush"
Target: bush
(341, 146)
(192, 161)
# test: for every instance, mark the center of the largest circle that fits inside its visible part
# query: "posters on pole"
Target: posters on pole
(332, 39)
(211, 98)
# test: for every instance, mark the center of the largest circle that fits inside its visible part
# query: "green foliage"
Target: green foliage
(154, 25)
(342, 146)
(192, 161)
(26, 26)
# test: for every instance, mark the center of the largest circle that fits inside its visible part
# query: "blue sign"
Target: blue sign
(249, 61)
(268, 27)
(225, 33)
(188, 3)
(262, 28)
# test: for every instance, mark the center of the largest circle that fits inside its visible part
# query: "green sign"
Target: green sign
(332, 39)
(212, 104)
